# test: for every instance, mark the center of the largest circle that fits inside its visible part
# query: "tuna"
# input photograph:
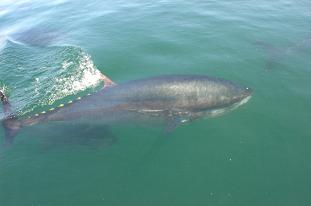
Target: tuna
(173, 98)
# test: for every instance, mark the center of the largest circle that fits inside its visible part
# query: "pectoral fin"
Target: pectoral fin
(172, 123)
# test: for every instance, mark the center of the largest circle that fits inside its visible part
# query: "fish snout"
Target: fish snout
(247, 92)
(243, 93)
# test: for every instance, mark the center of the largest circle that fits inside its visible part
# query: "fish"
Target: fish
(176, 99)
(38, 36)
(276, 53)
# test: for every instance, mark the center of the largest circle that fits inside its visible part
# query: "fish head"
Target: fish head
(222, 96)
(237, 94)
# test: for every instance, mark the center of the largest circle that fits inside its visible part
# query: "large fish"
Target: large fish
(173, 98)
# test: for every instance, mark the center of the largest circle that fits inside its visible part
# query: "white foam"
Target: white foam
(86, 75)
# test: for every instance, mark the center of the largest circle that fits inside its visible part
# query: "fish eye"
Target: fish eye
(248, 90)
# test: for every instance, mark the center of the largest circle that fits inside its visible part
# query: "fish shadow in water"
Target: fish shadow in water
(275, 54)
(39, 36)
(91, 136)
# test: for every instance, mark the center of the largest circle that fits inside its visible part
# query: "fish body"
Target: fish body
(182, 97)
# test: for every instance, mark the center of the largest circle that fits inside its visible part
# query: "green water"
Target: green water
(258, 154)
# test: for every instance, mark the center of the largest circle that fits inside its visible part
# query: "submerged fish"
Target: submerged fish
(275, 54)
(39, 36)
(174, 98)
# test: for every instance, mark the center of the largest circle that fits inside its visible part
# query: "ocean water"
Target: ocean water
(256, 155)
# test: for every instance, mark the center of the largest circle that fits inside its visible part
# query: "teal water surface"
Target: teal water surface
(259, 154)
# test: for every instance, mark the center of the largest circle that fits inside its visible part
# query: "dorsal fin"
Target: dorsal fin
(107, 82)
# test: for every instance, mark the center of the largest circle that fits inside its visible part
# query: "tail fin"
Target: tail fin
(10, 124)
(11, 127)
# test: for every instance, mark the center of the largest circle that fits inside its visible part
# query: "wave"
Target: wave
(37, 77)
(3, 41)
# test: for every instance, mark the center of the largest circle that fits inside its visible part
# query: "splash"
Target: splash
(38, 77)
(4, 90)
(82, 75)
